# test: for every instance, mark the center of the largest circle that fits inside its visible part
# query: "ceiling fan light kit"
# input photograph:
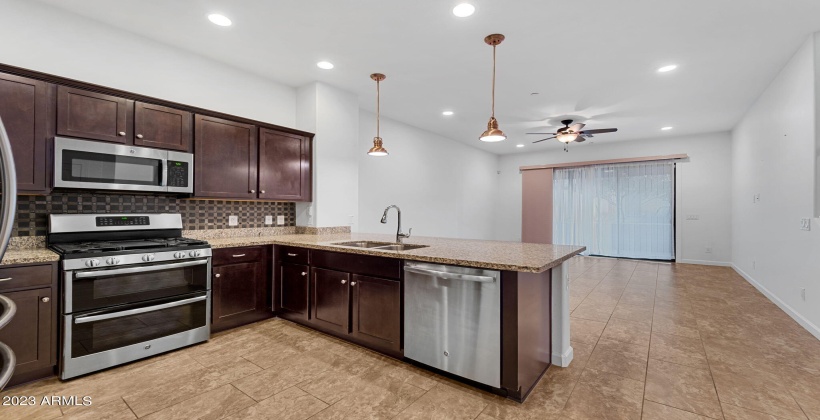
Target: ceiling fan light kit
(493, 134)
(573, 133)
(378, 148)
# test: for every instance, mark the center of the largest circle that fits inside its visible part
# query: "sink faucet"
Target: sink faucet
(399, 235)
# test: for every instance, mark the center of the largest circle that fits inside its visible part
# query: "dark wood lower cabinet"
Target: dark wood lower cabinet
(293, 293)
(330, 299)
(376, 316)
(32, 333)
(240, 290)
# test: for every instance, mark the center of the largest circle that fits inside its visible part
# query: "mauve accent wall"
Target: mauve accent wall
(33, 211)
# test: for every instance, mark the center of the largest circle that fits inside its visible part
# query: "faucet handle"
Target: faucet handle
(406, 235)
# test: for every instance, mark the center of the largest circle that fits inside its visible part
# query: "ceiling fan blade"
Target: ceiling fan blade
(577, 127)
(599, 131)
(537, 141)
(580, 139)
(541, 133)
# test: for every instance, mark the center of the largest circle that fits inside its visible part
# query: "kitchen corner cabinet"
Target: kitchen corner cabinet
(284, 166)
(225, 158)
(27, 108)
(240, 287)
(91, 115)
(32, 333)
(162, 127)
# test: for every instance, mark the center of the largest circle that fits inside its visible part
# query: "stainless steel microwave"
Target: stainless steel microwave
(103, 166)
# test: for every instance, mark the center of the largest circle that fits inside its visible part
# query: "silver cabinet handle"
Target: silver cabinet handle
(352, 283)
(217, 275)
(304, 274)
(143, 269)
(344, 281)
(289, 255)
(9, 309)
(6, 279)
(450, 276)
(263, 191)
(92, 318)
(139, 136)
(253, 191)
(46, 299)
(121, 133)
(238, 255)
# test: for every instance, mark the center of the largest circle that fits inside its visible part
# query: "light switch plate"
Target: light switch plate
(233, 220)
(268, 220)
(280, 220)
(805, 224)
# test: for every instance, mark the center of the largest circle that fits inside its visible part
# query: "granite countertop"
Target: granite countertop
(28, 256)
(495, 255)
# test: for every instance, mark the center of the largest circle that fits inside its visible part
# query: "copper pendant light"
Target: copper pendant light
(493, 134)
(377, 149)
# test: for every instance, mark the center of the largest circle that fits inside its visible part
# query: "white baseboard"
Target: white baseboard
(805, 323)
(705, 262)
(563, 360)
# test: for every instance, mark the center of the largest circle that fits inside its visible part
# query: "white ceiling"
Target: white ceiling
(593, 60)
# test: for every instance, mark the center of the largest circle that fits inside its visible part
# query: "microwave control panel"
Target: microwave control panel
(177, 174)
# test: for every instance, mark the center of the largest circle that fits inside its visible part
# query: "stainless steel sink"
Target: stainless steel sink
(387, 246)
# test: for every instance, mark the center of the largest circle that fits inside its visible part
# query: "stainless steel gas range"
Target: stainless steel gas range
(132, 287)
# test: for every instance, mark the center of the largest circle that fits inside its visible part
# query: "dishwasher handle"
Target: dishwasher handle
(450, 276)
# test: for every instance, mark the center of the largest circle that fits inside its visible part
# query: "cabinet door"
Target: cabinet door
(294, 289)
(26, 107)
(29, 332)
(330, 303)
(224, 158)
(91, 115)
(238, 294)
(162, 127)
(284, 166)
(377, 311)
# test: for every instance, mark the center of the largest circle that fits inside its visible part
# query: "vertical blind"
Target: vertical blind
(617, 210)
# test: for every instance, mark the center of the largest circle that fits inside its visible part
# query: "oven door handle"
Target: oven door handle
(92, 318)
(141, 269)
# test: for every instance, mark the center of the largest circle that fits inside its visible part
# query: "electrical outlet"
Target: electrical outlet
(805, 224)
(268, 220)
(756, 198)
(350, 220)
(692, 217)
(233, 220)
(280, 220)
(803, 293)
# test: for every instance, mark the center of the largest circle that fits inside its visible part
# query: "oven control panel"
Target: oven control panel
(177, 174)
(123, 221)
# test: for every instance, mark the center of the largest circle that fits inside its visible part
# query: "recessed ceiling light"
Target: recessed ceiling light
(325, 65)
(218, 19)
(464, 10)
(519, 145)
(666, 128)
(665, 69)
(447, 113)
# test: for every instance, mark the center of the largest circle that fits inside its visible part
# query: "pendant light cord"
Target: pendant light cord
(378, 108)
(493, 95)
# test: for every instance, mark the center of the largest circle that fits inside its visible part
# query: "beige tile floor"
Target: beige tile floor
(652, 341)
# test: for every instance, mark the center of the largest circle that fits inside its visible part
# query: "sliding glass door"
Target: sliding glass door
(617, 210)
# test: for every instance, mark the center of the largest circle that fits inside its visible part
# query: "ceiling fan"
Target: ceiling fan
(574, 133)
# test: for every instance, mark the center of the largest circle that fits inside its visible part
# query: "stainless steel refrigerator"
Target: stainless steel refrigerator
(8, 177)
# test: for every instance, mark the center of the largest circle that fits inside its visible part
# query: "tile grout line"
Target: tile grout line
(649, 348)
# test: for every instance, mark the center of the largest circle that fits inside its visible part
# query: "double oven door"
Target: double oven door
(116, 315)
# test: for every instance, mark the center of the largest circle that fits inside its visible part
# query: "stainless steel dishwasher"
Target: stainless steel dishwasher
(452, 320)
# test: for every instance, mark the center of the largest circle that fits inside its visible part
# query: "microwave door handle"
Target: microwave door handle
(132, 270)
(164, 173)
(92, 318)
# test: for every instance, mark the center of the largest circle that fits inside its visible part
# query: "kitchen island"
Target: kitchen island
(533, 281)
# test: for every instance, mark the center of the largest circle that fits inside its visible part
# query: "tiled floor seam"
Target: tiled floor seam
(688, 411)
(649, 351)
(129, 407)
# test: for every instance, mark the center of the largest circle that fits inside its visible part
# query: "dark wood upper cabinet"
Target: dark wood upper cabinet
(284, 166)
(330, 299)
(376, 317)
(293, 293)
(27, 107)
(91, 115)
(162, 127)
(225, 158)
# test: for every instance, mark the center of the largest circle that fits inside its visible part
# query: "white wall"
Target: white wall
(333, 114)
(443, 187)
(774, 148)
(39, 37)
(703, 188)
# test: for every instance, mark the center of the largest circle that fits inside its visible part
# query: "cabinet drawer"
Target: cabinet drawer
(367, 265)
(26, 276)
(293, 255)
(237, 255)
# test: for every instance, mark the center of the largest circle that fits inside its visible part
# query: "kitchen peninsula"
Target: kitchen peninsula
(534, 307)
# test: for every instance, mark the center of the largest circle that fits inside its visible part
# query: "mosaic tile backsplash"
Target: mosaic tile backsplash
(33, 211)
